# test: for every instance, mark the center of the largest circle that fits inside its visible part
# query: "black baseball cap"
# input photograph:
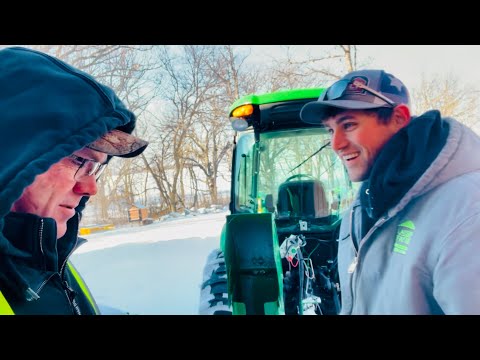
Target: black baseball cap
(358, 90)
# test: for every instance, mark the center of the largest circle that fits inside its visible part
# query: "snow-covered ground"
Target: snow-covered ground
(151, 269)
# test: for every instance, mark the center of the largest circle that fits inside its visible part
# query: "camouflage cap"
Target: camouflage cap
(119, 143)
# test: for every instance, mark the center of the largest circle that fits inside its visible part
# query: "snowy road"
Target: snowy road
(152, 269)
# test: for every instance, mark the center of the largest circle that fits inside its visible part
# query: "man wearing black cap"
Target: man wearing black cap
(59, 128)
(409, 244)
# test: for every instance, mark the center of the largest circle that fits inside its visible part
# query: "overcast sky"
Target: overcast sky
(407, 62)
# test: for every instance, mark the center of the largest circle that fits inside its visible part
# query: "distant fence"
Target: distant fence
(85, 230)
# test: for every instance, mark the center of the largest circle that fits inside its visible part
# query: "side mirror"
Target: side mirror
(269, 203)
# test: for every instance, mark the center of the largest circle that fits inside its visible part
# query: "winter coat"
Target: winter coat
(421, 255)
(48, 111)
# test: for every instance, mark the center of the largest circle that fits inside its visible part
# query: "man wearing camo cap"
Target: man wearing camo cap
(409, 244)
(58, 128)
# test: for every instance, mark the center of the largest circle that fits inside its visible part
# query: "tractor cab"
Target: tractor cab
(289, 191)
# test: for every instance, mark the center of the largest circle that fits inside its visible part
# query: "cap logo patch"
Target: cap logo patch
(353, 89)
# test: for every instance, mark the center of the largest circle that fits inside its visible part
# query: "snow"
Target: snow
(153, 269)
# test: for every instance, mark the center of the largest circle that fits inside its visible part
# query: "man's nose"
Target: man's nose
(87, 185)
(338, 141)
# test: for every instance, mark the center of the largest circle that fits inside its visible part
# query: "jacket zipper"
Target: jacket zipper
(71, 298)
(30, 294)
(68, 290)
(354, 264)
(62, 268)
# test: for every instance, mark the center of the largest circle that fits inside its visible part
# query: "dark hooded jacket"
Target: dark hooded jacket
(48, 111)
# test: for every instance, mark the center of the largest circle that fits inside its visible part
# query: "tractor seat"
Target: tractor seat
(304, 199)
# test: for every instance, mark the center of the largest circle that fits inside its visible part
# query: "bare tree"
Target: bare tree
(126, 70)
(350, 56)
(211, 136)
(186, 88)
(444, 93)
(210, 142)
(317, 66)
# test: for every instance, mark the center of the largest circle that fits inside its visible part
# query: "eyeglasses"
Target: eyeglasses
(338, 89)
(86, 167)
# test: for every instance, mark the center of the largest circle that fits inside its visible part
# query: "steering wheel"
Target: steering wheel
(308, 176)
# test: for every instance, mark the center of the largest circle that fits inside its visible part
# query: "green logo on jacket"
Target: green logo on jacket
(404, 234)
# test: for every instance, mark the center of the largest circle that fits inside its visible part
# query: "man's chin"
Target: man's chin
(61, 218)
(61, 230)
(357, 176)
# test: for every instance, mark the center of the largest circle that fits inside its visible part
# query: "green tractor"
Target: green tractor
(288, 192)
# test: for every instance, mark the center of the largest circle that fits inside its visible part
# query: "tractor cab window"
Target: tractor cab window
(292, 173)
(244, 202)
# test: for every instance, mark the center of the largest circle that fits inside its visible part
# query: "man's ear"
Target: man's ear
(401, 115)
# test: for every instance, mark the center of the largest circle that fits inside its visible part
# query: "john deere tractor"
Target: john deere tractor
(289, 190)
